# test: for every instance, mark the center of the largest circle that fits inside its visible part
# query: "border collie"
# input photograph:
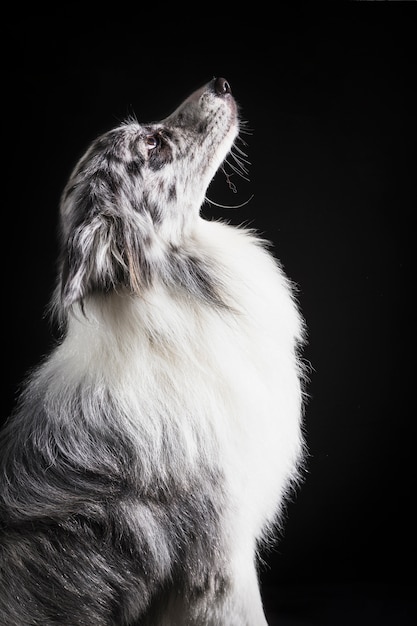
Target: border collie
(151, 453)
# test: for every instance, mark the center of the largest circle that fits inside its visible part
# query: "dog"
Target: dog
(150, 455)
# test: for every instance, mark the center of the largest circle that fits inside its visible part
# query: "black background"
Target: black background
(328, 96)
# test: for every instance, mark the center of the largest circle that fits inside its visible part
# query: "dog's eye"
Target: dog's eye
(152, 141)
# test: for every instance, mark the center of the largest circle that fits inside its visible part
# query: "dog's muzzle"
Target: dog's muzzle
(203, 102)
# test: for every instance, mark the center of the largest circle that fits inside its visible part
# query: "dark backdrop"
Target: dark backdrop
(328, 95)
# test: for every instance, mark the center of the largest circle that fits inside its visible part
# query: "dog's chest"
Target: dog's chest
(205, 387)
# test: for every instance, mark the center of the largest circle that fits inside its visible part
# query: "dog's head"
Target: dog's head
(136, 193)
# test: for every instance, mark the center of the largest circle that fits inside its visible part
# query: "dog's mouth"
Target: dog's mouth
(213, 99)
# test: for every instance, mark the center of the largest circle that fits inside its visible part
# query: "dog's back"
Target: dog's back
(151, 453)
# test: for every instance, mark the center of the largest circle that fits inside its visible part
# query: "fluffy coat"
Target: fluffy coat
(150, 454)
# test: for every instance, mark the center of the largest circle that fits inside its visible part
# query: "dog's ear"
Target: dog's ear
(100, 255)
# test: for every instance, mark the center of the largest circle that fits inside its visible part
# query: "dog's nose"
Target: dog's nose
(221, 86)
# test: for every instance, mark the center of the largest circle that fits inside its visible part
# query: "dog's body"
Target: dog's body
(151, 452)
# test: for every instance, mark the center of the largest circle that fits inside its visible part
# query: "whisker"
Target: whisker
(242, 153)
(244, 128)
(240, 169)
(240, 160)
(226, 206)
